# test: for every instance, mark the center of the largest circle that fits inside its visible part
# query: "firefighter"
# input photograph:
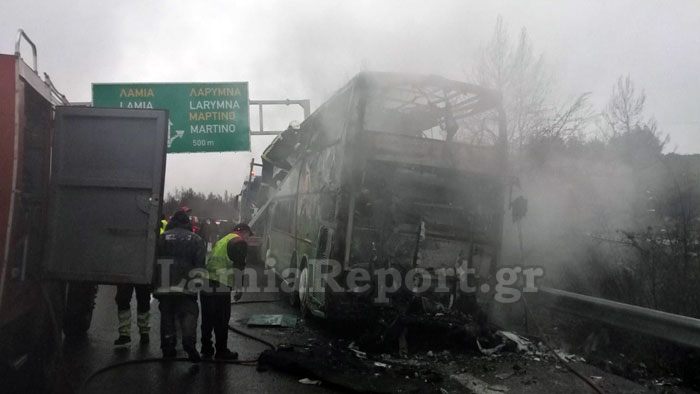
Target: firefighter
(143, 307)
(204, 231)
(227, 254)
(163, 223)
(180, 253)
(193, 219)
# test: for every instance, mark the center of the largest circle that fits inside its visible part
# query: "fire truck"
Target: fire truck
(80, 196)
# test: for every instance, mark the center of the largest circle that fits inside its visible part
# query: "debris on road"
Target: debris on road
(339, 366)
(310, 382)
(272, 321)
(505, 375)
(504, 341)
(522, 343)
(478, 386)
(569, 357)
(353, 348)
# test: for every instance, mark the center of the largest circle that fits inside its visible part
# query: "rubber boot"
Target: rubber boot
(226, 354)
(207, 346)
(124, 328)
(142, 320)
(124, 318)
(189, 345)
(207, 352)
(167, 345)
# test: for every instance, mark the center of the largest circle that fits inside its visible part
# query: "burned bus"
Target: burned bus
(394, 171)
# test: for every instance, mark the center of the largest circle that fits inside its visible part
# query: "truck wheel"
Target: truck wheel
(80, 302)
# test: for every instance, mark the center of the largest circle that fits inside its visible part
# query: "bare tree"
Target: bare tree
(566, 122)
(519, 74)
(626, 108)
(636, 138)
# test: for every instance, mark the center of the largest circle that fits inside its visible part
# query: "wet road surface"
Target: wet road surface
(461, 372)
(84, 357)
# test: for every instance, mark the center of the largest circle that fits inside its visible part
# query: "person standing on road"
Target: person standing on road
(228, 253)
(163, 224)
(193, 219)
(143, 308)
(180, 251)
(216, 225)
(204, 232)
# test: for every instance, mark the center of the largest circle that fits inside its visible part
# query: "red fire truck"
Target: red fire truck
(80, 196)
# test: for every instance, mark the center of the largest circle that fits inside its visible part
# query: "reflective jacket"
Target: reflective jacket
(219, 264)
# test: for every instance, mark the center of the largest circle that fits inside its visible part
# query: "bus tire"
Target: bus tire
(293, 295)
(303, 291)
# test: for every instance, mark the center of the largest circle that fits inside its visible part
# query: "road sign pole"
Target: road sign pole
(305, 104)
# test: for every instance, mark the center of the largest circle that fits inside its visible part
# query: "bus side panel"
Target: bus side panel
(282, 243)
(334, 172)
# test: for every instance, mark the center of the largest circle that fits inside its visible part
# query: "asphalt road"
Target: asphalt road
(84, 357)
(463, 372)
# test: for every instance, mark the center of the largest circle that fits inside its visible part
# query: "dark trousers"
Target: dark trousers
(216, 312)
(184, 308)
(143, 297)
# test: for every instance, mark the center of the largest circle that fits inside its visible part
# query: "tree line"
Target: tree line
(213, 206)
(613, 213)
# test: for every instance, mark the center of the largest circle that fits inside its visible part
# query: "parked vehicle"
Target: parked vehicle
(77, 207)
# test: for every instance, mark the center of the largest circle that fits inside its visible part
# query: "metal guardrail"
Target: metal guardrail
(680, 329)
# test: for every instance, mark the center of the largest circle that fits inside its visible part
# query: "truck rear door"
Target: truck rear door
(107, 173)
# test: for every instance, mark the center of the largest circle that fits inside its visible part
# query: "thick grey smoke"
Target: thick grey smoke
(309, 49)
(571, 201)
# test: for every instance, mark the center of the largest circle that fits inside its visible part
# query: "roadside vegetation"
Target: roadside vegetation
(213, 206)
(613, 211)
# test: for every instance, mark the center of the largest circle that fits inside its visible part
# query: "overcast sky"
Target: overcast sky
(308, 49)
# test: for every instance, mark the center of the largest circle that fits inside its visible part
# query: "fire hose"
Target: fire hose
(238, 331)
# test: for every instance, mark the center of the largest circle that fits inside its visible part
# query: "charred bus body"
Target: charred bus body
(400, 172)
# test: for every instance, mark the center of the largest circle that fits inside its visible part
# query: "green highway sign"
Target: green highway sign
(204, 117)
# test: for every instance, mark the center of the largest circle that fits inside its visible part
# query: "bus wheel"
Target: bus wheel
(293, 298)
(293, 284)
(304, 292)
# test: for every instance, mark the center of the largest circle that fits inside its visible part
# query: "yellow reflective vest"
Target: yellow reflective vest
(163, 223)
(219, 266)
